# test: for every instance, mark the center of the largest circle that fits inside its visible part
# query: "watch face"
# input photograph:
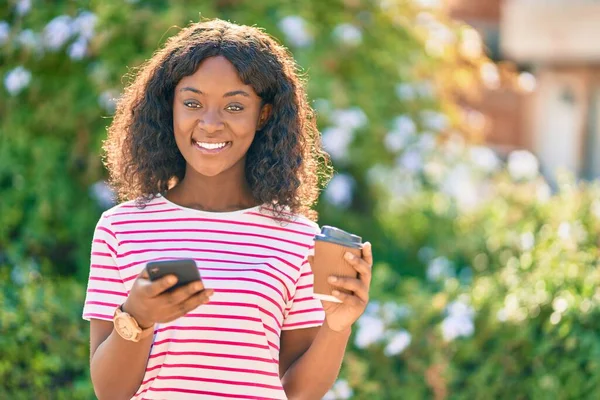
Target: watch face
(124, 328)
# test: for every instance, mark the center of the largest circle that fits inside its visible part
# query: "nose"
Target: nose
(210, 121)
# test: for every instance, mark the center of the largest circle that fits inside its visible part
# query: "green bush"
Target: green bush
(523, 324)
(44, 343)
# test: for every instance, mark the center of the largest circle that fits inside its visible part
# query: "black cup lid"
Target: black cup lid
(338, 236)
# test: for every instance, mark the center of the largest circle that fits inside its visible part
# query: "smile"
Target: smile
(211, 148)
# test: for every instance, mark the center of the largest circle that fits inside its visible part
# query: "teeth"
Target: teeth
(211, 146)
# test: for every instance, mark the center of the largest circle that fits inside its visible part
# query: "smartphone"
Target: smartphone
(186, 271)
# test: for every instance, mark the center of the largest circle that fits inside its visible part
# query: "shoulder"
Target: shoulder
(133, 209)
(285, 219)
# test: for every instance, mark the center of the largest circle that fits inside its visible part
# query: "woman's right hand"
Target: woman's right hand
(148, 302)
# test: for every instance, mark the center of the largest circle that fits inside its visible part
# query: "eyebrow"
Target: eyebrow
(228, 94)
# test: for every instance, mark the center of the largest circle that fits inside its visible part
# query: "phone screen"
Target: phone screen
(186, 271)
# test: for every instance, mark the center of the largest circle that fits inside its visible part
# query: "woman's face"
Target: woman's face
(215, 118)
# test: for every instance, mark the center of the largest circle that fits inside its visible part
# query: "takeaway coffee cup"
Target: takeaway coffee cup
(330, 246)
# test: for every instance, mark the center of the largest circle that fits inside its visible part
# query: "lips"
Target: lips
(211, 147)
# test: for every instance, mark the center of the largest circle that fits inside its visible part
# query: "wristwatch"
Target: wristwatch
(128, 328)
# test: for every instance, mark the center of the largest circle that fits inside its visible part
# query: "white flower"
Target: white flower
(428, 3)
(348, 34)
(411, 161)
(4, 32)
(336, 142)
(484, 158)
(564, 231)
(16, 80)
(107, 100)
(350, 118)
(373, 308)
(23, 7)
(474, 118)
(434, 121)
(527, 82)
(439, 268)
(78, 49)
(454, 327)
(392, 311)
(460, 185)
(454, 146)
(398, 342)
(522, 165)
(560, 304)
(543, 192)
(57, 32)
(341, 390)
(489, 75)
(471, 45)
(394, 141)
(405, 91)
(460, 309)
(426, 142)
(459, 321)
(502, 315)
(595, 208)
(370, 330)
(527, 241)
(435, 171)
(84, 24)
(339, 190)
(103, 195)
(439, 35)
(28, 39)
(294, 28)
(405, 125)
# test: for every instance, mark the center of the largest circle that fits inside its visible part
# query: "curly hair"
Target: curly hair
(285, 164)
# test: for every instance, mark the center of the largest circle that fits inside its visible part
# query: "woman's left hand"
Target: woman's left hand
(340, 316)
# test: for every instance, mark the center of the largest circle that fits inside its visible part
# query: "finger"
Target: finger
(348, 299)
(155, 288)
(182, 293)
(191, 303)
(354, 285)
(361, 266)
(367, 253)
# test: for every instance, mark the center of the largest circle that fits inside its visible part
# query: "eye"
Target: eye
(234, 107)
(192, 104)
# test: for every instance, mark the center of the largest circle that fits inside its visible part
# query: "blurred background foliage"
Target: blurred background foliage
(485, 283)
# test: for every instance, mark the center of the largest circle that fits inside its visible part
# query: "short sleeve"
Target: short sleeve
(105, 288)
(303, 310)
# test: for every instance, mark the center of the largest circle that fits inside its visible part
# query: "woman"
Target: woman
(215, 142)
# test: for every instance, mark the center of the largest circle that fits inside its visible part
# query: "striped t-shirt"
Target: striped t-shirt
(263, 284)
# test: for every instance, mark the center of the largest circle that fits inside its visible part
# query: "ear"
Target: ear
(265, 114)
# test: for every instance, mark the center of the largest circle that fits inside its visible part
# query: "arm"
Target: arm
(310, 360)
(117, 365)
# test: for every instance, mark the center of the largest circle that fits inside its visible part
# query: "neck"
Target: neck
(228, 191)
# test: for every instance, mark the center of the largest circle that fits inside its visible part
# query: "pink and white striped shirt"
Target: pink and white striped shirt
(228, 348)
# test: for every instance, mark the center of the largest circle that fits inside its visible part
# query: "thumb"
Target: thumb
(144, 274)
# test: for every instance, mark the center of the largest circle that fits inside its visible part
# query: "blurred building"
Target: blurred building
(554, 111)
